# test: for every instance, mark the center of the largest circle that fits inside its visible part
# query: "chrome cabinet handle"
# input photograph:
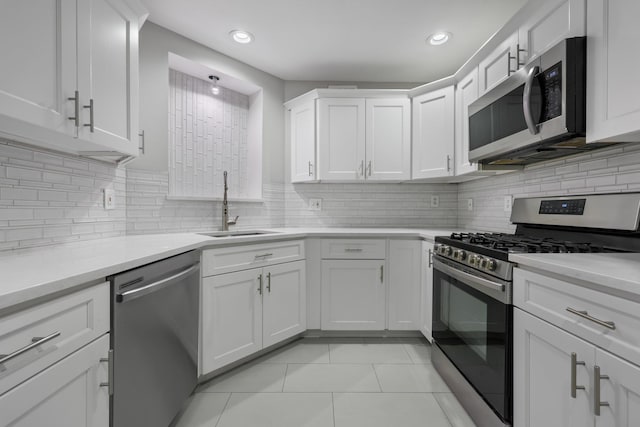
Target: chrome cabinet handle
(369, 167)
(361, 168)
(35, 342)
(269, 282)
(382, 274)
(76, 109)
(597, 403)
(574, 375)
(509, 70)
(448, 163)
(310, 172)
(90, 107)
(141, 147)
(526, 101)
(109, 361)
(518, 50)
(430, 258)
(260, 285)
(585, 315)
(353, 249)
(263, 255)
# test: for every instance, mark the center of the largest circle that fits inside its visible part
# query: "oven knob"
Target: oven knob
(492, 265)
(462, 255)
(448, 251)
(482, 262)
(473, 259)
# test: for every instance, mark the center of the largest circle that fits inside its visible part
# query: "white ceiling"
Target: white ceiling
(340, 40)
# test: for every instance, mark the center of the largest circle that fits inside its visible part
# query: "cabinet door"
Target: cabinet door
(341, 139)
(108, 74)
(38, 51)
(388, 136)
(426, 294)
(405, 274)
(284, 304)
(433, 134)
(542, 375)
(621, 390)
(499, 64)
(353, 295)
(613, 95)
(231, 317)
(553, 22)
(466, 93)
(303, 142)
(67, 394)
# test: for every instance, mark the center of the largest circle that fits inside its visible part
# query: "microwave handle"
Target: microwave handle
(526, 100)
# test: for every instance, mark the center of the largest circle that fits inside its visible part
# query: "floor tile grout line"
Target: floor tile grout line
(223, 409)
(333, 408)
(373, 366)
(284, 380)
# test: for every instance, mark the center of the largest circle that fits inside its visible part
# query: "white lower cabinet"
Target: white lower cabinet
(426, 291)
(67, 394)
(353, 294)
(245, 311)
(405, 272)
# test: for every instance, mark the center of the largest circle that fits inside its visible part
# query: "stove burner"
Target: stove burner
(513, 243)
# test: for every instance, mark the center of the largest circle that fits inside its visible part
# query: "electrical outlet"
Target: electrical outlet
(435, 201)
(109, 199)
(315, 204)
(507, 203)
(470, 204)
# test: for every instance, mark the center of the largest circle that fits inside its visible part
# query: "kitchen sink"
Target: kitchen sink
(238, 233)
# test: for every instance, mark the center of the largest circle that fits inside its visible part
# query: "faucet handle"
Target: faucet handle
(233, 221)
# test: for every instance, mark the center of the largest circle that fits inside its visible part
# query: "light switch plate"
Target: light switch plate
(470, 204)
(507, 203)
(315, 204)
(435, 201)
(109, 199)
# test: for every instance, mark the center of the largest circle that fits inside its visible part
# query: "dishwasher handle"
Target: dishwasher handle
(156, 286)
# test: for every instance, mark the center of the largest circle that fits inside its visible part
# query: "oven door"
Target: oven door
(472, 320)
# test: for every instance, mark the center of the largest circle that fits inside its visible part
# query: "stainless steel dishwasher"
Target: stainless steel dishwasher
(154, 338)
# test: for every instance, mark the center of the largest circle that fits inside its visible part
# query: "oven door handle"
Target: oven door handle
(461, 275)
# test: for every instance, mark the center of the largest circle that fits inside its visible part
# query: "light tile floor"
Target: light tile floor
(327, 382)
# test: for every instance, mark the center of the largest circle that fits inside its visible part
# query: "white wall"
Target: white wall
(608, 170)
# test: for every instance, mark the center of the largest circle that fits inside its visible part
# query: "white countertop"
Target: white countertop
(617, 271)
(33, 273)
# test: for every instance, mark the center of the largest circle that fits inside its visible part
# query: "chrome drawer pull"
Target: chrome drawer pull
(574, 375)
(597, 403)
(353, 250)
(109, 361)
(585, 315)
(36, 341)
(263, 256)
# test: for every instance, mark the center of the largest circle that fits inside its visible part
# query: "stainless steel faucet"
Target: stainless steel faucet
(225, 207)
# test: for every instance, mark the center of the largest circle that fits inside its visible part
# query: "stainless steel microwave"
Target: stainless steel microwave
(537, 113)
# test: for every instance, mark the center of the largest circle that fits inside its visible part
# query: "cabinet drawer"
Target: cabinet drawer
(354, 249)
(550, 299)
(62, 325)
(235, 258)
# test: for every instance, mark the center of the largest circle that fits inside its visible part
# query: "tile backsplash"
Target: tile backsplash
(48, 198)
(610, 170)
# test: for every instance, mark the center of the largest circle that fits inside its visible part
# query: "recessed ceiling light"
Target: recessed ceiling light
(439, 38)
(241, 36)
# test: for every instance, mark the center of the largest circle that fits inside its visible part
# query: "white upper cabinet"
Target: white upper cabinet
(613, 93)
(433, 134)
(38, 74)
(341, 138)
(302, 121)
(554, 21)
(388, 136)
(466, 93)
(108, 74)
(70, 47)
(499, 64)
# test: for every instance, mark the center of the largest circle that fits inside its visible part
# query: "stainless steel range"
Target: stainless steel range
(472, 306)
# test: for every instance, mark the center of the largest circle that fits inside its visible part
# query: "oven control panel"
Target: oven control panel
(562, 207)
(494, 267)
